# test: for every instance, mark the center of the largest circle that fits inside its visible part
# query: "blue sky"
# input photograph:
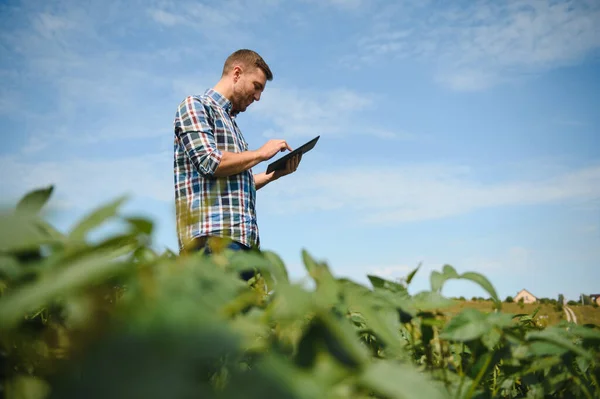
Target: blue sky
(464, 133)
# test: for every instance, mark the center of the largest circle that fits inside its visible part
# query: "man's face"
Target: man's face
(249, 86)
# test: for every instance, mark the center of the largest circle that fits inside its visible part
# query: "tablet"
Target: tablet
(280, 163)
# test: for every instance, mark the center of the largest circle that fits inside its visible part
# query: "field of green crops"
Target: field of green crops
(114, 319)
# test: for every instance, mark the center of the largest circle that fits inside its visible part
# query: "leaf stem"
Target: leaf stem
(480, 375)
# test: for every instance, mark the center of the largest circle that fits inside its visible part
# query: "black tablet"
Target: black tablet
(280, 163)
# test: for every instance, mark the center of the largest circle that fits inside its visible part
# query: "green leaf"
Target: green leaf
(243, 261)
(277, 266)
(467, 325)
(428, 300)
(327, 286)
(21, 232)
(491, 339)
(384, 284)
(542, 363)
(554, 336)
(145, 255)
(483, 283)
(342, 342)
(539, 349)
(381, 327)
(379, 310)
(499, 319)
(588, 334)
(34, 201)
(437, 281)
(394, 380)
(290, 303)
(9, 267)
(50, 231)
(309, 345)
(81, 273)
(95, 219)
(27, 387)
(583, 364)
(267, 263)
(141, 225)
(155, 364)
(272, 377)
(449, 272)
(311, 265)
(411, 275)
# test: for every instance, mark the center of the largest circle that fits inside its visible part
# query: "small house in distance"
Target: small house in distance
(595, 298)
(527, 296)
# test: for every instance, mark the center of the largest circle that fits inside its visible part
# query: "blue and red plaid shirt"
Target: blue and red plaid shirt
(209, 205)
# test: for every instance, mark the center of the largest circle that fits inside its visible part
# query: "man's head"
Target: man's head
(246, 74)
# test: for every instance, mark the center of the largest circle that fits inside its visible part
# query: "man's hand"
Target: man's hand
(290, 167)
(262, 179)
(272, 147)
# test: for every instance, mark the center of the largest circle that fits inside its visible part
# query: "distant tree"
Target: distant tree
(462, 298)
(474, 299)
(509, 299)
(572, 303)
(558, 306)
(544, 301)
(585, 299)
(561, 298)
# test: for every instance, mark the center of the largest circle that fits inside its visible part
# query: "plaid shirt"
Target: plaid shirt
(209, 205)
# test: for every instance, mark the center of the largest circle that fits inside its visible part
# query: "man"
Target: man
(215, 189)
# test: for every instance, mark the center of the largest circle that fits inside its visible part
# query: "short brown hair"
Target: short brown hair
(247, 57)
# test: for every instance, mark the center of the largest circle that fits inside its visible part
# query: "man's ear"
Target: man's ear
(237, 72)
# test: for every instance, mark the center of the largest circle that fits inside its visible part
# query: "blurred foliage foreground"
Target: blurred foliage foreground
(114, 319)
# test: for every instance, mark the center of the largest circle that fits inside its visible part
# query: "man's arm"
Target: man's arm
(233, 163)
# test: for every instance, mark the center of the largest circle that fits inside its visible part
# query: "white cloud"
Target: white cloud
(81, 182)
(468, 80)
(480, 44)
(390, 196)
(72, 87)
(198, 15)
(49, 24)
(343, 4)
(515, 259)
(397, 195)
(304, 113)
(93, 89)
(589, 229)
(231, 18)
(307, 113)
(166, 18)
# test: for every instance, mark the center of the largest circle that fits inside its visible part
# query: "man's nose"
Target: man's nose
(257, 96)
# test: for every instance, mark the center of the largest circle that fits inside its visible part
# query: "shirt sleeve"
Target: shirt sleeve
(196, 135)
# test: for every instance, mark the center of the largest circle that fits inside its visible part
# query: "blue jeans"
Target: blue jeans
(233, 245)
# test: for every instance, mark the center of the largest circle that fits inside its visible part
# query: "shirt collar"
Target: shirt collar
(221, 100)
